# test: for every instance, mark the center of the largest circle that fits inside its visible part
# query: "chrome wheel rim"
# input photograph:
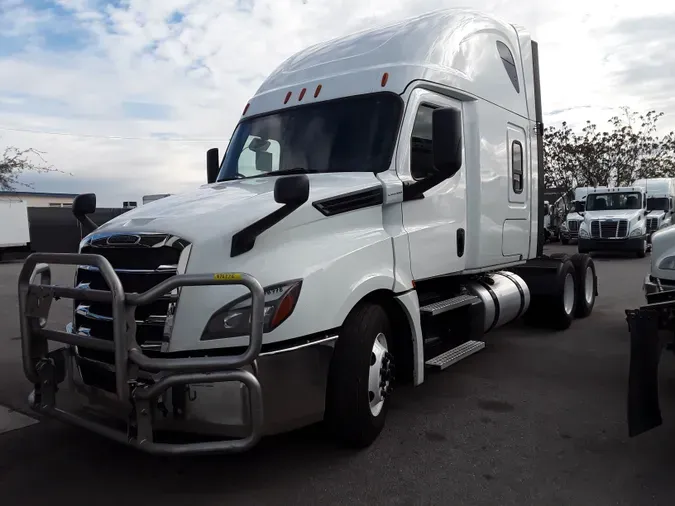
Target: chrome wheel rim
(380, 374)
(568, 293)
(589, 293)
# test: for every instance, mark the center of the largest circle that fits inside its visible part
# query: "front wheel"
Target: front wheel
(361, 377)
(642, 252)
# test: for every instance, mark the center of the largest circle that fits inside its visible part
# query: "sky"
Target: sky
(125, 96)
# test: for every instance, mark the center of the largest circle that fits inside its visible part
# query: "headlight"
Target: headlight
(636, 232)
(667, 263)
(583, 233)
(234, 319)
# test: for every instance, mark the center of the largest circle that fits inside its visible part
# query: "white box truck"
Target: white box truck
(614, 220)
(14, 229)
(387, 215)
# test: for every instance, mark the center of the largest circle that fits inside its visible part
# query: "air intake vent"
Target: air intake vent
(350, 201)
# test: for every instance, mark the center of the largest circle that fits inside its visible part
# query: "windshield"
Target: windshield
(355, 134)
(613, 201)
(657, 204)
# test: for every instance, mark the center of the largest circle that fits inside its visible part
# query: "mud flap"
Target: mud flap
(644, 412)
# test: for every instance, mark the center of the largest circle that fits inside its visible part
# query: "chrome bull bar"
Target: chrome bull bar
(46, 370)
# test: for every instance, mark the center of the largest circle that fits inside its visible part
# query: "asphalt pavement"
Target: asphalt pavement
(535, 418)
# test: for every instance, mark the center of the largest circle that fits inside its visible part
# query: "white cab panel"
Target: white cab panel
(499, 228)
(433, 222)
(516, 228)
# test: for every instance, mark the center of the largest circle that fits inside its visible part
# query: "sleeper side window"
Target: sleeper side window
(509, 64)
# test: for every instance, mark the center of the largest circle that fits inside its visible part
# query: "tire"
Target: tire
(349, 415)
(560, 314)
(548, 310)
(641, 253)
(565, 241)
(586, 284)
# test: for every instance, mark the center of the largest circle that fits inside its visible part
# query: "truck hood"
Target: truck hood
(226, 207)
(663, 246)
(625, 214)
(656, 214)
(574, 216)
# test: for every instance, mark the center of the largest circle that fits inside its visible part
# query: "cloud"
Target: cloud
(147, 86)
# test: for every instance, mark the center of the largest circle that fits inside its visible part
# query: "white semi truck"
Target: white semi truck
(614, 220)
(569, 229)
(391, 217)
(660, 194)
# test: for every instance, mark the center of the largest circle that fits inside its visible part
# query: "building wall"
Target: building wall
(47, 201)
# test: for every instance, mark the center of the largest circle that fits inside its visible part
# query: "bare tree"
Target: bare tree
(14, 162)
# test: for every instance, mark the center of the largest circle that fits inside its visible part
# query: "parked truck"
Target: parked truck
(660, 194)
(614, 220)
(569, 229)
(391, 218)
(652, 331)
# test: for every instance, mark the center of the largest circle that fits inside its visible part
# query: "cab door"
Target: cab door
(436, 223)
(516, 226)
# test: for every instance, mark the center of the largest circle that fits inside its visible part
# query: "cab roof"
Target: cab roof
(463, 49)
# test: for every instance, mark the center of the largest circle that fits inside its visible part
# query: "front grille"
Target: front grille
(652, 224)
(140, 264)
(609, 229)
(573, 225)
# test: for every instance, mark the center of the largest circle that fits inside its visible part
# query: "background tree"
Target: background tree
(14, 162)
(630, 149)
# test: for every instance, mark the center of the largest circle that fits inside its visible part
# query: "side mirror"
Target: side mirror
(83, 205)
(446, 135)
(212, 165)
(292, 190)
(446, 128)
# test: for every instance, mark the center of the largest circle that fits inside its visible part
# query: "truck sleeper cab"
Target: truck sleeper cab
(381, 201)
(614, 220)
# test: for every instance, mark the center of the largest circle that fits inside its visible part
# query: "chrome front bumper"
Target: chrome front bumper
(221, 395)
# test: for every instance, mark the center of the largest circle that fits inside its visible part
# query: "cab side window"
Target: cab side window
(421, 152)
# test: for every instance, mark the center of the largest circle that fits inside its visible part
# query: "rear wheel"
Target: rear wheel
(361, 377)
(555, 309)
(586, 283)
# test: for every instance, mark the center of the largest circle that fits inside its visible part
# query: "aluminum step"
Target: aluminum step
(454, 355)
(448, 305)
